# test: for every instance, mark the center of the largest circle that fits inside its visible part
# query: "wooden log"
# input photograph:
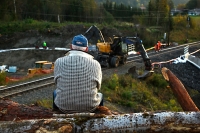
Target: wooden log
(148, 122)
(36, 126)
(179, 91)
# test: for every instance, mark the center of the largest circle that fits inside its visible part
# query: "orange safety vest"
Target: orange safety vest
(159, 45)
(156, 47)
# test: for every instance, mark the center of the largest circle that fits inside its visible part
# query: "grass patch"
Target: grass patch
(2, 78)
(47, 103)
(30, 24)
(152, 94)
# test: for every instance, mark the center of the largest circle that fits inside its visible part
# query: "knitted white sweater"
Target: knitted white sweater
(78, 78)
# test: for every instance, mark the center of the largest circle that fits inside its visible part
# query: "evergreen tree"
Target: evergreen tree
(7, 10)
(192, 4)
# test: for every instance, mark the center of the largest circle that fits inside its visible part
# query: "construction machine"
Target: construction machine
(42, 67)
(114, 52)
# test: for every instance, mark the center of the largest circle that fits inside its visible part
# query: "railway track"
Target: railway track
(152, 54)
(19, 89)
(7, 92)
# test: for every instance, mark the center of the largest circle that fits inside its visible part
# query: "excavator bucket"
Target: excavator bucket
(145, 74)
(136, 74)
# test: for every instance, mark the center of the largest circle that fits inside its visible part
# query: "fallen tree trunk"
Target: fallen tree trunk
(164, 122)
(179, 91)
(36, 126)
(148, 122)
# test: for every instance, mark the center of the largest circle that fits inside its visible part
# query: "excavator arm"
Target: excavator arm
(140, 48)
(94, 34)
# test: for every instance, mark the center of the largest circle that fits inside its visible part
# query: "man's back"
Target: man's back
(78, 77)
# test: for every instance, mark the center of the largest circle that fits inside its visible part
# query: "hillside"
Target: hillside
(136, 3)
(177, 2)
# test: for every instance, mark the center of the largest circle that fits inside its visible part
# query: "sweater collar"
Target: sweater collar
(78, 53)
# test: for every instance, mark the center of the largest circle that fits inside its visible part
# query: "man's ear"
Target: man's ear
(70, 46)
(86, 49)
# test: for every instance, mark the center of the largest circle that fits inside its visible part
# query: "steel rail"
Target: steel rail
(13, 93)
(164, 51)
(26, 87)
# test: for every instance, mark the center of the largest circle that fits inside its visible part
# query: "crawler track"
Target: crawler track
(19, 89)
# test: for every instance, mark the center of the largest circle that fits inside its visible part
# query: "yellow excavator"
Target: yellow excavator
(41, 67)
(115, 51)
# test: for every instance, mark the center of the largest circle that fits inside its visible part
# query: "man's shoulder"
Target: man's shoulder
(77, 54)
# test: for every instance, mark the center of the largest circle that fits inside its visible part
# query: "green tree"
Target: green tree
(2, 78)
(180, 6)
(158, 11)
(192, 4)
(162, 11)
(151, 12)
(171, 4)
(53, 8)
(90, 9)
(6, 10)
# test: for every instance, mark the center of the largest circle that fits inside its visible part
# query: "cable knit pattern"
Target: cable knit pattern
(78, 78)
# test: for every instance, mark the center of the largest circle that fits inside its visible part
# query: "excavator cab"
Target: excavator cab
(113, 53)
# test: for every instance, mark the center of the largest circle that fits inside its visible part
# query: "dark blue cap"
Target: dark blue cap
(80, 41)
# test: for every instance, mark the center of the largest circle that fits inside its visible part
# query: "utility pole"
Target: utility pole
(58, 18)
(15, 8)
(188, 26)
(158, 13)
(44, 8)
(169, 25)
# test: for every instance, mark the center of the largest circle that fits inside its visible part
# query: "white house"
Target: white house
(194, 12)
(175, 11)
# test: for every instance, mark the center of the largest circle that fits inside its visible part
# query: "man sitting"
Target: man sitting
(78, 79)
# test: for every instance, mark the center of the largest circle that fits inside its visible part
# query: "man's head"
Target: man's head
(80, 42)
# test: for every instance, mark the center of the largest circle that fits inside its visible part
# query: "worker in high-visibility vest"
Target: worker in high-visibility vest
(156, 47)
(159, 45)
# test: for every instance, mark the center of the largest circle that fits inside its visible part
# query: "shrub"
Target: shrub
(152, 94)
(3, 78)
(113, 82)
(28, 21)
(126, 95)
(45, 103)
(157, 80)
(124, 80)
